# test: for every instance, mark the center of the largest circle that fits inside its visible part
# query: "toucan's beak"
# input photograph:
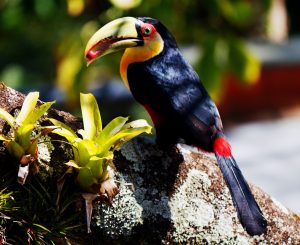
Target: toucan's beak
(116, 35)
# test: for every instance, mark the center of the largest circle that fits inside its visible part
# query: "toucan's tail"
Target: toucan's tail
(248, 210)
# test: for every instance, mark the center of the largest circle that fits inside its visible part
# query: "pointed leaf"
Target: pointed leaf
(242, 62)
(86, 149)
(15, 150)
(111, 128)
(38, 112)
(4, 138)
(27, 107)
(23, 135)
(90, 115)
(73, 164)
(141, 123)
(33, 147)
(130, 133)
(89, 198)
(75, 149)
(129, 130)
(96, 166)
(47, 129)
(85, 178)
(7, 117)
(63, 130)
(42, 227)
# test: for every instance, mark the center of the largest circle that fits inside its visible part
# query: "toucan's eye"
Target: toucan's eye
(147, 31)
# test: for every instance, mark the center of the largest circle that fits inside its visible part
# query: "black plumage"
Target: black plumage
(168, 87)
(181, 108)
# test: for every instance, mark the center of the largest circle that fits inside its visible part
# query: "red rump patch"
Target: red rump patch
(222, 147)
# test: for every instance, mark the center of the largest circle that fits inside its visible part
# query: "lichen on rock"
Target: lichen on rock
(122, 216)
(45, 148)
(180, 197)
(174, 196)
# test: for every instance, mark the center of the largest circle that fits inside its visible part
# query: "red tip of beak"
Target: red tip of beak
(90, 55)
(100, 47)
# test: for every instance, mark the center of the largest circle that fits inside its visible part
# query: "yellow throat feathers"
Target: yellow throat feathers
(151, 48)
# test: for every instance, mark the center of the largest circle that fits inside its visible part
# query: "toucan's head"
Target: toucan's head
(142, 38)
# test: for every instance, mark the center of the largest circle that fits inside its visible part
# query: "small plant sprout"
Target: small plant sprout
(94, 150)
(20, 142)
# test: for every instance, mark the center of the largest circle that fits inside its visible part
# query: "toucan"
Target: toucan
(160, 78)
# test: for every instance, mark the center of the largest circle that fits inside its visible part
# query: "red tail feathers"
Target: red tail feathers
(222, 147)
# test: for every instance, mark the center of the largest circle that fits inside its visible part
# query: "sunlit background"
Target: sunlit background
(246, 52)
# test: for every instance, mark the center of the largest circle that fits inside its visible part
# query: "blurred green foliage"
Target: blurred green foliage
(43, 41)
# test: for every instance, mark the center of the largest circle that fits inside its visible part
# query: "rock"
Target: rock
(176, 196)
(180, 197)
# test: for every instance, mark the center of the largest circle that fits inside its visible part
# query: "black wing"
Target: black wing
(199, 118)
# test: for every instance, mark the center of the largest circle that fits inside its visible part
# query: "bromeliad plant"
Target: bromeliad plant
(94, 150)
(21, 143)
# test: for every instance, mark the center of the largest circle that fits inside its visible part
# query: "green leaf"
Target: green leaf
(111, 129)
(93, 151)
(211, 66)
(15, 149)
(129, 131)
(139, 124)
(27, 107)
(85, 149)
(42, 227)
(63, 130)
(23, 135)
(7, 117)
(73, 164)
(90, 115)
(239, 13)
(33, 147)
(242, 62)
(38, 112)
(4, 138)
(85, 178)
(96, 166)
